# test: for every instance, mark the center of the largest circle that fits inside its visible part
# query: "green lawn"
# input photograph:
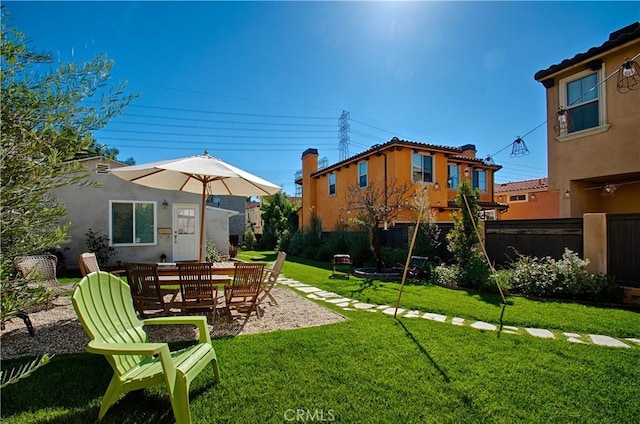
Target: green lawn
(373, 369)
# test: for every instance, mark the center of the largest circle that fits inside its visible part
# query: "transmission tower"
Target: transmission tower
(344, 135)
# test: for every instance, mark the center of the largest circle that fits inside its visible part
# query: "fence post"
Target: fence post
(594, 236)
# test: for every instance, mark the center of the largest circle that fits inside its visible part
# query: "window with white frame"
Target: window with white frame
(332, 183)
(362, 174)
(132, 222)
(453, 177)
(479, 179)
(583, 99)
(421, 168)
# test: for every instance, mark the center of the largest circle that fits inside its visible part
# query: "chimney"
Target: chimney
(468, 150)
(309, 202)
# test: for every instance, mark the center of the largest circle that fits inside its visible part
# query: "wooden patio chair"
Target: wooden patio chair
(146, 290)
(271, 278)
(104, 306)
(242, 294)
(197, 287)
(88, 263)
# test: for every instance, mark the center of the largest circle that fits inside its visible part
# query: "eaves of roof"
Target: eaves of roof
(616, 38)
(454, 153)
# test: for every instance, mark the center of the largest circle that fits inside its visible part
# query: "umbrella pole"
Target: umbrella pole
(203, 204)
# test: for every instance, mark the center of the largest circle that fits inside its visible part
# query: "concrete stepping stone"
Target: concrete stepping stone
(631, 339)
(606, 341)
(457, 321)
(574, 335)
(434, 317)
(391, 311)
(327, 294)
(510, 329)
(338, 301)
(314, 296)
(479, 325)
(360, 305)
(540, 332)
(412, 314)
(308, 289)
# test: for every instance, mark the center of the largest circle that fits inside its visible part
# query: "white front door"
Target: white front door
(186, 232)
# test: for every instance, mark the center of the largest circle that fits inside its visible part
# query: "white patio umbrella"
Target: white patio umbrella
(202, 174)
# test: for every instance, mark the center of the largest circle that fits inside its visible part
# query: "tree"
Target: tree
(47, 117)
(463, 240)
(279, 216)
(372, 207)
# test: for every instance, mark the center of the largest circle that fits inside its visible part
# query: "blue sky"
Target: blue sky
(257, 83)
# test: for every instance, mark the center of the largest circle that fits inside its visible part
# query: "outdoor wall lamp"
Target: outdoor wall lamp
(567, 194)
(165, 204)
(436, 186)
(532, 197)
(467, 172)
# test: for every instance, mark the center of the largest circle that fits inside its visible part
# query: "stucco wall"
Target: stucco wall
(88, 208)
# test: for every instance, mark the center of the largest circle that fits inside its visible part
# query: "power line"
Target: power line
(229, 113)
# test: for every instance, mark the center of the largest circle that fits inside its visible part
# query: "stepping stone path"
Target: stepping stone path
(356, 305)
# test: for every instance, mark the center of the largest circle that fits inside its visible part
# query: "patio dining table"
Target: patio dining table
(222, 272)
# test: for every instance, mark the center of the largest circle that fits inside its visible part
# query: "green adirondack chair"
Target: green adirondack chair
(104, 306)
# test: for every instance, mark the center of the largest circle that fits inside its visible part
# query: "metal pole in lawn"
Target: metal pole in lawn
(421, 208)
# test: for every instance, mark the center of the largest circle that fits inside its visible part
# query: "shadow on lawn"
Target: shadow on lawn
(424, 351)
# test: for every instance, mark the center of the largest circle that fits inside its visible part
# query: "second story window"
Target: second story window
(332, 184)
(581, 97)
(421, 168)
(362, 174)
(479, 179)
(453, 177)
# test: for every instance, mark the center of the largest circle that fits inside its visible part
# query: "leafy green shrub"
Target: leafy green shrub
(445, 275)
(99, 244)
(249, 239)
(566, 278)
(212, 254)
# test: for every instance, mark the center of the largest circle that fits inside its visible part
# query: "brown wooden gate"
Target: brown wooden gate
(623, 240)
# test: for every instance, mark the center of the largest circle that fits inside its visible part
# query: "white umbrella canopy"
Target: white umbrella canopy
(203, 174)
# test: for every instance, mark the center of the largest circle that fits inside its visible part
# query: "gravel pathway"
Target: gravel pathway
(58, 330)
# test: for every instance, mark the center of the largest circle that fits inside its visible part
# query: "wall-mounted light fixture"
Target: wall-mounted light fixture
(165, 204)
(467, 171)
(532, 197)
(436, 186)
(567, 194)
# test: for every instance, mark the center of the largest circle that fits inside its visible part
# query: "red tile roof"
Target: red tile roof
(526, 185)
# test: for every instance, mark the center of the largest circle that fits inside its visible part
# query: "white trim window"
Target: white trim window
(453, 177)
(479, 179)
(581, 96)
(332, 183)
(132, 223)
(363, 174)
(421, 168)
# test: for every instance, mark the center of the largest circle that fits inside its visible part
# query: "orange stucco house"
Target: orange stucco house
(528, 199)
(441, 168)
(593, 135)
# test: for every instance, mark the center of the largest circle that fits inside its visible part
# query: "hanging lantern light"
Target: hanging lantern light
(518, 148)
(609, 190)
(628, 76)
(563, 123)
